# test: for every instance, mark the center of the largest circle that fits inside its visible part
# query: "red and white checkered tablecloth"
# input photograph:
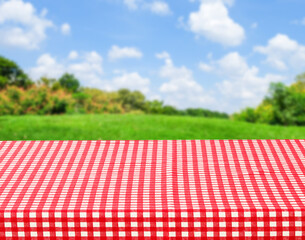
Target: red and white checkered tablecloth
(241, 189)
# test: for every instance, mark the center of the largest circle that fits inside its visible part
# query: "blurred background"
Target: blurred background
(152, 69)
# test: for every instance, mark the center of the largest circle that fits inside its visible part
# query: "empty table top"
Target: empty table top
(159, 189)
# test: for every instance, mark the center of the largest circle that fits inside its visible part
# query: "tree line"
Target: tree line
(20, 95)
(283, 105)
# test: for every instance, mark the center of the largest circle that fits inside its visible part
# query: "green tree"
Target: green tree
(170, 110)
(299, 85)
(69, 82)
(12, 74)
(48, 82)
(3, 82)
(284, 105)
(265, 113)
(282, 101)
(154, 107)
(132, 100)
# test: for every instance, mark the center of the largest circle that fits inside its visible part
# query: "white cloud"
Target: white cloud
(298, 22)
(21, 26)
(227, 2)
(164, 55)
(65, 29)
(73, 55)
(131, 4)
(159, 7)
(88, 69)
(214, 23)
(205, 67)
(283, 53)
(44, 12)
(132, 81)
(181, 23)
(126, 52)
(243, 82)
(47, 66)
(181, 89)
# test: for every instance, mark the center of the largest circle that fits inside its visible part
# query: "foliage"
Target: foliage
(3, 82)
(132, 100)
(154, 107)
(69, 82)
(248, 115)
(35, 100)
(19, 96)
(264, 113)
(284, 105)
(170, 110)
(199, 112)
(12, 74)
(299, 85)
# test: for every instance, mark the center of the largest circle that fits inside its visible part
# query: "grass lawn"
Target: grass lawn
(136, 127)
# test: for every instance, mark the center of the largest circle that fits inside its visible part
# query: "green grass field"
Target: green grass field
(136, 127)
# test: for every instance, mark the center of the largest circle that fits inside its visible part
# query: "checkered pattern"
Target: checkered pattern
(232, 189)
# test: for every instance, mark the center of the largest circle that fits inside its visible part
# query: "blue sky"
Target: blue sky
(216, 54)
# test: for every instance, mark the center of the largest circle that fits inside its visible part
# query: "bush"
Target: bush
(60, 106)
(170, 110)
(265, 113)
(199, 112)
(247, 115)
(154, 107)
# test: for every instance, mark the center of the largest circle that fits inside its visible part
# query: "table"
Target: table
(230, 189)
